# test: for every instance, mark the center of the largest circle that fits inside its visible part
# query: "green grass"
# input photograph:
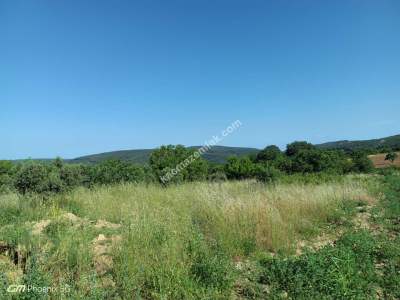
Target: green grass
(361, 264)
(185, 241)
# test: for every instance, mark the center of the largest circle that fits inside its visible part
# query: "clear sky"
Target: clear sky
(81, 77)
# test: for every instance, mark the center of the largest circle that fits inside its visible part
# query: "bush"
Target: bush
(270, 153)
(72, 176)
(343, 271)
(391, 156)
(117, 171)
(216, 173)
(7, 171)
(266, 173)
(295, 147)
(239, 168)
(32, 177)
(178, 158)
(53, 182)
(361, 163)
(217, 176)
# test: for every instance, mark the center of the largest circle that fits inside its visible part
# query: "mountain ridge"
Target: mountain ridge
(372, 144)
(216, 154)
(219, 154)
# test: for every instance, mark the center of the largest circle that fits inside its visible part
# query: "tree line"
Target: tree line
(268, 165)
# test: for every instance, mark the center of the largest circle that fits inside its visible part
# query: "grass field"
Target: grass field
(226, 240)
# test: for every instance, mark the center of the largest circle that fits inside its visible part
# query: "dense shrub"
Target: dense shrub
(315, 160)
(116, 171)
(185, 164)
(343, 271)
(32, 177)
(295, 147)
(268, 154)
(72, 175)
(216, 173)
(6, 167)
(239, 168)
(266, 173)
(7, 172)
(361, 162)
(58, 177)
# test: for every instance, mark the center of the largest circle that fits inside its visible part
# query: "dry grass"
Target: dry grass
(175, 243)
(237, 214)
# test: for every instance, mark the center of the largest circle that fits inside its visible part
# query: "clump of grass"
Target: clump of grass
(343, 271)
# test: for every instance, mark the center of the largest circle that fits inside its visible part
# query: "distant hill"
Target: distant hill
(392, 142)
(217, 154)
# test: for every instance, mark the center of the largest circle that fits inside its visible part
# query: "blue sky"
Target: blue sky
(82, 77)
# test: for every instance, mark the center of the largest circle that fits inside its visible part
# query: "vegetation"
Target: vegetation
(186, 165)
(179, 242)
(220, 154)
(387, 144)
(391, 156)
(168, 158)
(213, 231)
(217, 154)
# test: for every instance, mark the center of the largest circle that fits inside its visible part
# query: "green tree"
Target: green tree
(361, 162)
(313, 160)
(72, 176)
(216, 172)
(58, 162)
(114, 171)
(269, 153)
(7, 171)
(295, 147)
(6, 167)
(391, 156)
(34, 177)
(31, 178)
(181, 163)
(239, 168)
(266, 173)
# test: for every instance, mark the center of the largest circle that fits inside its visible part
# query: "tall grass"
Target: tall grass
(236, 214)
(179, 242)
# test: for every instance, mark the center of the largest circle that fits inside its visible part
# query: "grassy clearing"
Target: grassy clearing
(179, 242)
(242, 216)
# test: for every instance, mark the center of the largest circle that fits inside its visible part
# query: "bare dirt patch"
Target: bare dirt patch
(379, 160)
(102, 256)
(40, 226)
